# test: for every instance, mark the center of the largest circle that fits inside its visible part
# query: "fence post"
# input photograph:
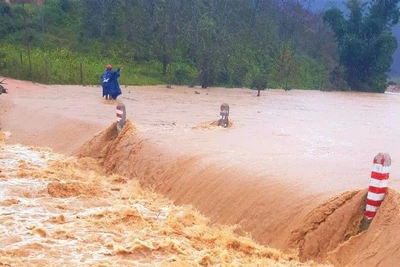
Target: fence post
(121, 116)
(46, 74)
(81, 73)
(70, 73)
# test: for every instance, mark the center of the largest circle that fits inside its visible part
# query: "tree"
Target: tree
(6, 20)
(365, 41)
(259, 83)
(27, 34)
(165, 21)
(286, 65)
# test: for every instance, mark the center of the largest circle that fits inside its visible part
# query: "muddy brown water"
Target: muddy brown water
(285, 153)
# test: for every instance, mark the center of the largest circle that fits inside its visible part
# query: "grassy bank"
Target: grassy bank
(61, 66)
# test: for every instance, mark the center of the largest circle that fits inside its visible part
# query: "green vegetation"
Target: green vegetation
(63, 66)
(194, 42)
(366, 43)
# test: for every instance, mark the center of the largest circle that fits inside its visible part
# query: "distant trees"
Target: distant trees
(206, 42)
(365, 41)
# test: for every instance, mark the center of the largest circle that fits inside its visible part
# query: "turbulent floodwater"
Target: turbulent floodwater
(285, 155)
(58, 212)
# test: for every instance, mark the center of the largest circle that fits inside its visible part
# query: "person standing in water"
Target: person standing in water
(109, 82)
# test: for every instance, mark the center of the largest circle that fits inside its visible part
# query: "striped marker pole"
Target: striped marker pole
(121, 116)
(224, 112)
(378, 184)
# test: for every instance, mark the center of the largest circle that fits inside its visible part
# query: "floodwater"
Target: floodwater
(54, 211)
(296, 136)
(285, 154)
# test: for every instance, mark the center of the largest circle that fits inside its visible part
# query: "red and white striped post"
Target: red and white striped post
(378, 184)
(121, 116)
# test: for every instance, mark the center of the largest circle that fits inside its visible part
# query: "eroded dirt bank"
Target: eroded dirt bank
(262, 205)
(332, 232)
(275, 214)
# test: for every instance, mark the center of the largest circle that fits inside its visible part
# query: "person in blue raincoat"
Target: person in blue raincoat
(109, 81)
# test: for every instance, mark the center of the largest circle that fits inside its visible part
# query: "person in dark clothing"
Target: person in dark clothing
(109, 81)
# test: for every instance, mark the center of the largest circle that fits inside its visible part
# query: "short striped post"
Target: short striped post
(224, 112)
(121, 116)
(378, 184)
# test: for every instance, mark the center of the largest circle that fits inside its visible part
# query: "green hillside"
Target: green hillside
(195, 42)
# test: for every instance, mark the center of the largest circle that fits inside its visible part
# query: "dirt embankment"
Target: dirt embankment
(274, 213)
(262, 205)
(331, 232)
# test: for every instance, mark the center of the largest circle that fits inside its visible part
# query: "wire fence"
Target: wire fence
(48, 71)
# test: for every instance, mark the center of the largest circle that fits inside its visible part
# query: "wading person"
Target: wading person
(109, 82)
